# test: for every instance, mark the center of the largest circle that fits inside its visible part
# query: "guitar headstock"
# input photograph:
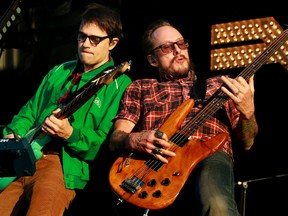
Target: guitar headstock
(116, 71)
(125, 66)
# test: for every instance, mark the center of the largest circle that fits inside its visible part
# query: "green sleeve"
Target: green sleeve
(26, 118)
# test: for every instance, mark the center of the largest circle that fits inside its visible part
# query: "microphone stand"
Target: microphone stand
(244, 190)
(243, 197)
(146, 212)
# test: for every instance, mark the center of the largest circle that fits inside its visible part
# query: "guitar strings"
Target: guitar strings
(220, 97)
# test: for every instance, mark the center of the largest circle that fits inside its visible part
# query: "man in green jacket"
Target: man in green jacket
(71, 143)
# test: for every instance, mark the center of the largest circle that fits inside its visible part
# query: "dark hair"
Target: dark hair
(106, 18)
(147, 43)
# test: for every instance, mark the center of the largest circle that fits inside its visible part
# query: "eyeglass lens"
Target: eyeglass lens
(94, 40)
(170, 46)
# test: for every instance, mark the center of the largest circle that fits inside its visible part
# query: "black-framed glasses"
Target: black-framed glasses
(94, 40)
(169, 47)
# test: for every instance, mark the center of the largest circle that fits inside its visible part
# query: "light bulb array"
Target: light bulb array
(262, 30)
(9, 17)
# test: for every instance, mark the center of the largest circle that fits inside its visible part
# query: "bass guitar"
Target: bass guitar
(150, 184)
(38, 139)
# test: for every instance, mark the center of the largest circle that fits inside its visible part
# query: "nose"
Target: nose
(176, 49)
(85, 41)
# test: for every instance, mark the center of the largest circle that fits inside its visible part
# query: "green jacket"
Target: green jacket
(91, 122)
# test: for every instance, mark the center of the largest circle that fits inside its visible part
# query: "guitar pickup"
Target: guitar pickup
(132, 185)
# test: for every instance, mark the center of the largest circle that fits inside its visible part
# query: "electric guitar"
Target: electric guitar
(150, 184)
(38, 139)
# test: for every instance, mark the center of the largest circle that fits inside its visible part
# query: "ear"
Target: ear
(113, 43)
(152, 60)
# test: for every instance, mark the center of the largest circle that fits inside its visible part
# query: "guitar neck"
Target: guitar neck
(219, 97)
(79, 97)
(264, 56)
(88, 90)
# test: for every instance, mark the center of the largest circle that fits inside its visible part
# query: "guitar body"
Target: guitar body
(151, 184)
(36, 145)
(161, 187)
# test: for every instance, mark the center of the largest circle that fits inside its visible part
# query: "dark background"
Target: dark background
(44, 35)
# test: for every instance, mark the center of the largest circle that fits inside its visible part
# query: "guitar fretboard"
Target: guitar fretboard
(219, 97)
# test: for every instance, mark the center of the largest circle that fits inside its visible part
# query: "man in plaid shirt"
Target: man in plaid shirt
(147, 104)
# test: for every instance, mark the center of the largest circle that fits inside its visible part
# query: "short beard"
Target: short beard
(178, 73)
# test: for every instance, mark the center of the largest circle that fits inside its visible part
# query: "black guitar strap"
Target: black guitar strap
(199, 91)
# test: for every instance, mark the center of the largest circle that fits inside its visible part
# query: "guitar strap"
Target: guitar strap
(75, 77)
(199, 92)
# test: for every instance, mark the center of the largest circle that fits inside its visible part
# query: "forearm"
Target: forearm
(119, 140)
(120, 137)
(246, 131)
